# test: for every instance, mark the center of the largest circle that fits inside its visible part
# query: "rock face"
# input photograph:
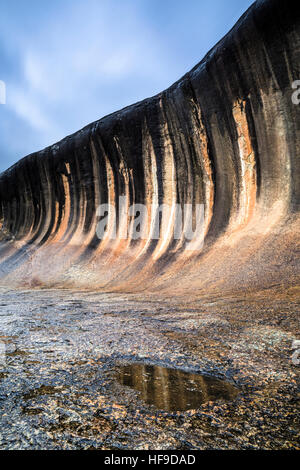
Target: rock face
(226, 135)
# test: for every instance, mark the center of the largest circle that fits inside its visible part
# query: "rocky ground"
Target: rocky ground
(61, 351)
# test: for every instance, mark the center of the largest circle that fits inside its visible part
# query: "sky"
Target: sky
(66, 63)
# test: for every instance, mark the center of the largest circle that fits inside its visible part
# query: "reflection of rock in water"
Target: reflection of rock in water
(174, 389)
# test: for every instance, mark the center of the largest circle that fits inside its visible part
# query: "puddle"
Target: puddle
(18, 352)
(43, 390)
(173, 389)
(32, 411)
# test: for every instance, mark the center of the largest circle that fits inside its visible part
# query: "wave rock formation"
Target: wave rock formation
(225, 135)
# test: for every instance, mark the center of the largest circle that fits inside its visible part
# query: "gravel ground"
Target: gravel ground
(61, 351)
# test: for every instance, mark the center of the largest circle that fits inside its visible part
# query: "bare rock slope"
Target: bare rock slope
(225, 135)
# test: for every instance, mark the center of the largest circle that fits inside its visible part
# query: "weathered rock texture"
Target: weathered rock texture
(225, 135)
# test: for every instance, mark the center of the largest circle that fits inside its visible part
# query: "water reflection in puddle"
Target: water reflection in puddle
(172, 389)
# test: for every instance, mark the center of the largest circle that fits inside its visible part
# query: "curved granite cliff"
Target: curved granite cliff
(226, 135)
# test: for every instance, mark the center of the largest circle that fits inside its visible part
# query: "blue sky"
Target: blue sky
(67, 63)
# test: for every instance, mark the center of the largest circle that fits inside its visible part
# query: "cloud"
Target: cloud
(75, 66)
(70, 62)
(25, 107)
